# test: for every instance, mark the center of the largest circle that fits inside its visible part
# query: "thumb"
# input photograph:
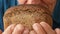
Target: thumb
(57, 30)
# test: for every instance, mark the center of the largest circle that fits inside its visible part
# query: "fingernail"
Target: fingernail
(35, 26)
(57, 29)
(12, 26)
(19, 27)
(33, 32)
(26, 31)
(42, 23)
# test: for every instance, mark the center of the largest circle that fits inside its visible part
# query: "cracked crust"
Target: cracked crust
(27, 15)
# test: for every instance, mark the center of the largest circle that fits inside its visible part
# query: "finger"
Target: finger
(47, 28)
(57, 30)
(38, 28)
(0, 32)
(22, 1)
(26, 31)
(18, 29)
(9, 30)
(33, 32)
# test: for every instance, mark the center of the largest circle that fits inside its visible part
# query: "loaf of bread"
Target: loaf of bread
(27, 15)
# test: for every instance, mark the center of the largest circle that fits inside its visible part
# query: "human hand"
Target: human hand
(16, 29)
(44, 28)
(57, 30)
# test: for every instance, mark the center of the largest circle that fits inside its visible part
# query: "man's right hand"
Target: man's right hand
(16, 29)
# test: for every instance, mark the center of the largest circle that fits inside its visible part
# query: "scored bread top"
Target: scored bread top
(27, 15)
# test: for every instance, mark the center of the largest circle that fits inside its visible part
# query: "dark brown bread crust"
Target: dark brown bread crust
(27, 15)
